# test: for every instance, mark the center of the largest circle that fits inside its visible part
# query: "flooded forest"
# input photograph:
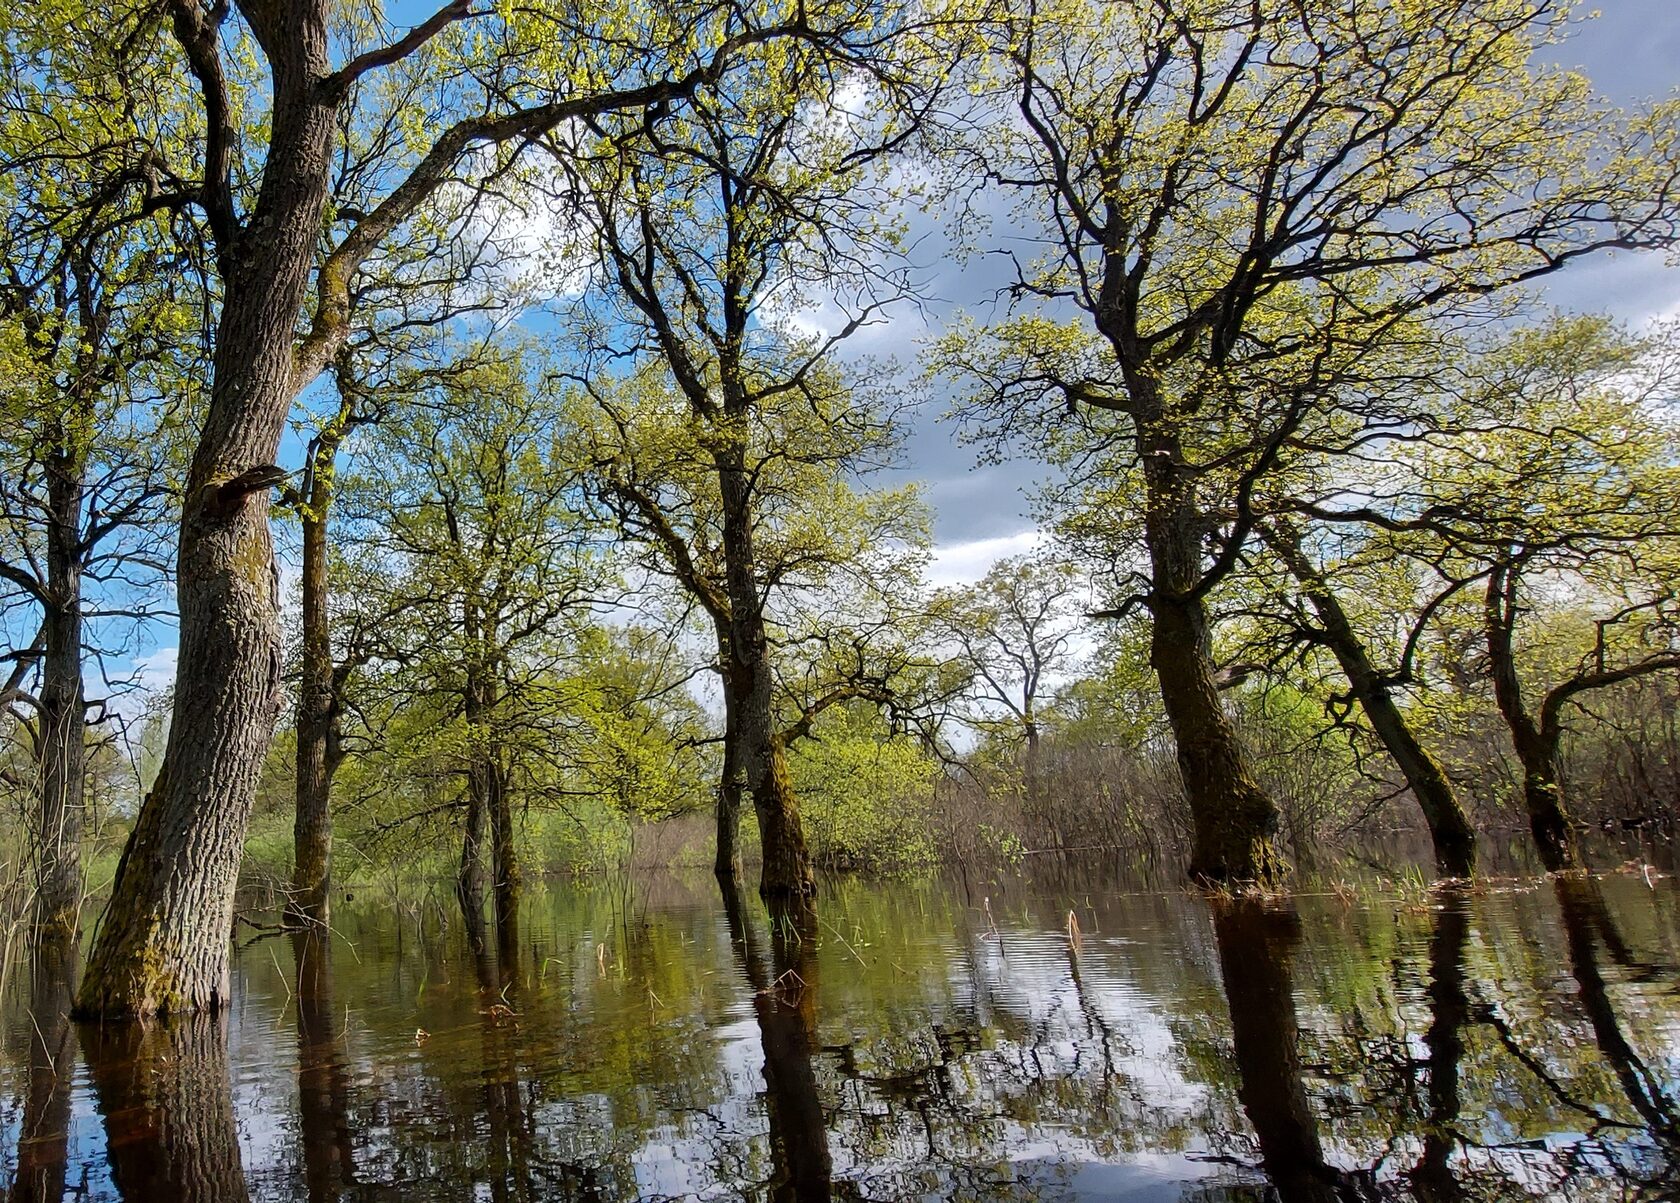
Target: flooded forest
(839, 600)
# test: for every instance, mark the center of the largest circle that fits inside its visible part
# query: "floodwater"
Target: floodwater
(938, 1040)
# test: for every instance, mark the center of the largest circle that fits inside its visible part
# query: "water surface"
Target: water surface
(938, 1040)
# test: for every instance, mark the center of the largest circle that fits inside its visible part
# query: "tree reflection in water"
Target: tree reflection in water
(163, 1091)
(43, 1140)
(1482, 1044)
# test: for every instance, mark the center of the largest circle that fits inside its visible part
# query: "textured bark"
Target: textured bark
(163, 943)
(726, 864)
(785, 1003)
(1432, 1179)
(169, 1125)
(1254, 949)
(317, 756)
(470, 877)
(1234, 822)
(61, 744)
(324, 1121)
(786, 869)
(1450, 830)
(43, 1139)
(1536, 743)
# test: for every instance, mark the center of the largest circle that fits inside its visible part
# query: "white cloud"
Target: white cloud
(965, 563)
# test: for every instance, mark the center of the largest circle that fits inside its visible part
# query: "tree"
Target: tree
(1550, 493)
(1015, 631)
(162, 945)
(95, 321)
(465, 498)
(713, 225)
(1254, 213)
(834, 562)
(1451, 832)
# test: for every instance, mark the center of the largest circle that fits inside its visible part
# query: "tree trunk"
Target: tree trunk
(1536, 744)
(1449, 827)
(786, 870)
(310, 901)
(62, 741)
(1234, 821)
(163, 942)
(470, 877)
(1254, 949)
(726, 865)
(1031, 769)
(504, 854)
(43, 1141)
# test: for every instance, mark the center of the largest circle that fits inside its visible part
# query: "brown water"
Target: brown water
(924, 1041)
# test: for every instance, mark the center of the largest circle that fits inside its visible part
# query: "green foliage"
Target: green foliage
(864, 792)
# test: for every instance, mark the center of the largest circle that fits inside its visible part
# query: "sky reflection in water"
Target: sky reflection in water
(917, 1041)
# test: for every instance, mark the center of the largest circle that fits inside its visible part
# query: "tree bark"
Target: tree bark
(1450, 830)
(62, 748)
(726, 864)
(310, 901)
(1536, 744)
(163, 943)
(1234, 822)
(786, 869)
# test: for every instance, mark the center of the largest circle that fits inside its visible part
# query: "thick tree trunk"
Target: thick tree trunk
(1536, 744)
(1254, 949)
(323, 1077)
(163, 1089)
(163, 943)
(786, 870)
(310, 901)
(1031, 769)
(62, 742)
(1449, 827)
(1234, 821)
(43, 1141)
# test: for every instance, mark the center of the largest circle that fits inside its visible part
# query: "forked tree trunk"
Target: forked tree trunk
(62, 743)
(786, 870)
(310, 901)
(1234, 821)
(1450, 830)
(1536, 743)
(163, 943)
